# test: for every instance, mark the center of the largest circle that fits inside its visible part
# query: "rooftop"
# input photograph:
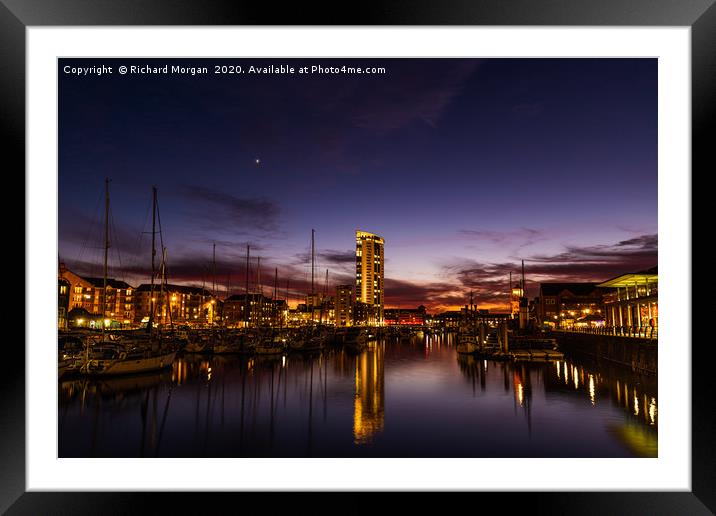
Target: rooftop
(631, 278)
(99, 282)
(578, 289)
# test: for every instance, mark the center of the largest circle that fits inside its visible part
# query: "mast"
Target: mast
(165, 284)
(150, 324)
(106, 251)
(248, 249)
(213, 261)
(275, 283)
(259, 289)
(274, 304)
(323, 297)
(287, 293)
(313, 260)
(509, 297)
(246, 297)
(160, 305)
(524, 294)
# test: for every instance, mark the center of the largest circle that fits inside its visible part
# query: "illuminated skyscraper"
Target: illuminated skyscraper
(369, 274)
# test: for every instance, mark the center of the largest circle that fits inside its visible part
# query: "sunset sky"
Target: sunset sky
(464, 166)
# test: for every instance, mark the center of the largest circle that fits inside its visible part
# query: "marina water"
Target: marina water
(412, 398)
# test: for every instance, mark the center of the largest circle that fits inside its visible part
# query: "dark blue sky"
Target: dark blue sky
(464, 166)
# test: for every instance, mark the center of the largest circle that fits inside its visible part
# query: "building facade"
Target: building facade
(632, 300)
(561, 305)
(344, 305)
(406, 316)
(252, 310)
(118, 303)
(179, 304)
(81, 290)
(516, 293)
(63, 303)
(115, 305)
(370, 262)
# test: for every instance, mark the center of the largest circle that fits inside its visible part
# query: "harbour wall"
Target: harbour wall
(636, 353)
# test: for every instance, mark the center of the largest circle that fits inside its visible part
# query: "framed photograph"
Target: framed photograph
(417, 250)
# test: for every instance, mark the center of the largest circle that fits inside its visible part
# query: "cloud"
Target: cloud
(436, 297)
(637, 252)
(227, 213)
(521, 237)
(489, 281)
(337, 257)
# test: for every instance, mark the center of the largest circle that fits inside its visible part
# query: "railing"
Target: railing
(644, 332)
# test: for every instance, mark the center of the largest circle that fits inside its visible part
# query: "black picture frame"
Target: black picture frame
(699, 15)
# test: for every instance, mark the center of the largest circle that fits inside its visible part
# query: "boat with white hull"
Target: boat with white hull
(111, 359)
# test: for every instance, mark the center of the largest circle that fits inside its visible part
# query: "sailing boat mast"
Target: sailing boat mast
(260, 290)
(274, 304)
(248, 247)
(213, 261)
(247, 315)
(275, 283)
(106, 251)
(323, 297)
(162, 284)
(313, 260)
(150, 324)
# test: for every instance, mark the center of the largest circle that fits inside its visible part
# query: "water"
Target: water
(408, 399)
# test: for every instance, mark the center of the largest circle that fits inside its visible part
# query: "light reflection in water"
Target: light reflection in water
(652, 411)
(576, 378)
(301, 405)
(369, 401)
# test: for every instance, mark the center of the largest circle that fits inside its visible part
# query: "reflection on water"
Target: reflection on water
(369, 405)
(414, 398)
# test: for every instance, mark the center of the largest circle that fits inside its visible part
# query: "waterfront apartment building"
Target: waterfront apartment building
(406, 316)
(179, 304)
(561, 305)
(63, 302)
(344, 305)
(252, 310)
(115, 304)
(370, 262)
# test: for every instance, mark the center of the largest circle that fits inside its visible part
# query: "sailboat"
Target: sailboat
(312, 338)
(136, 354)
(269, 341)
(468, 340)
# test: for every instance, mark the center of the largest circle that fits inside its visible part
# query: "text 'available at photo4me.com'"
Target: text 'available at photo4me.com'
(224, 69)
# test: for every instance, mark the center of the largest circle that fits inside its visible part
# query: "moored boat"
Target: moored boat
(110, 358)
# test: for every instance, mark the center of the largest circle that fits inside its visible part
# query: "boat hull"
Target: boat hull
(128, 366)
(269, 350)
